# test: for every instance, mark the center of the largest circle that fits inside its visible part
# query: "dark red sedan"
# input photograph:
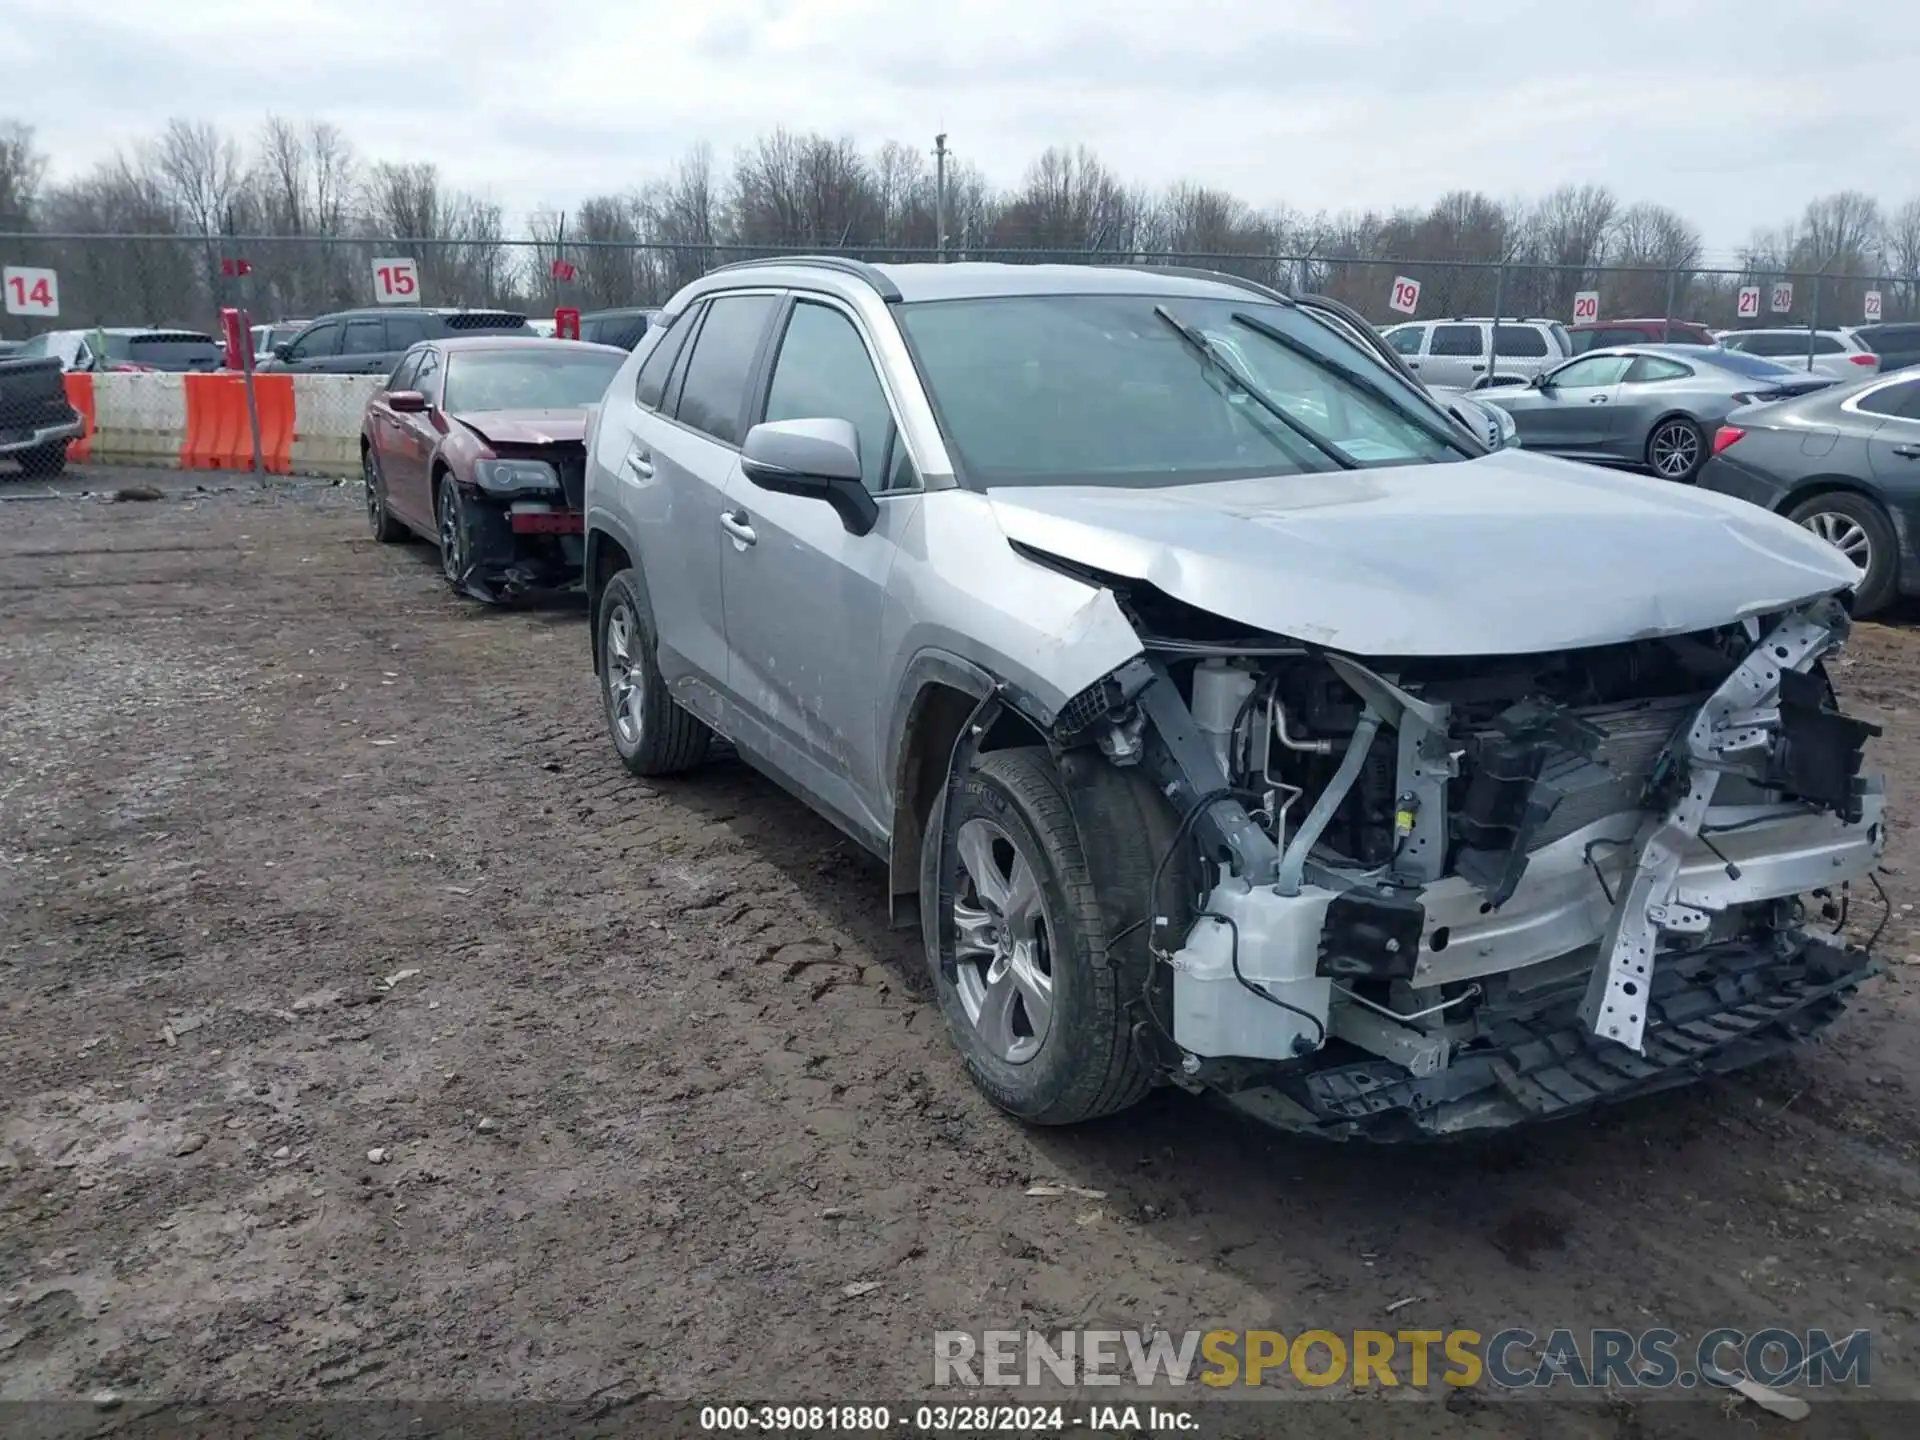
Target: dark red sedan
(479, 443)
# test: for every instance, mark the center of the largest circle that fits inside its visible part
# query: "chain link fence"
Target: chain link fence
(167, 280)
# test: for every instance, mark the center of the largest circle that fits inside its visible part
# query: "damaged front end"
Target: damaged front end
(1437, 896)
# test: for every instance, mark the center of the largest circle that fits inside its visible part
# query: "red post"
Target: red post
(566, 323)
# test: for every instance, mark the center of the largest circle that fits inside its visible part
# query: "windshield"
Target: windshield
(1103, 390)
(532, 379)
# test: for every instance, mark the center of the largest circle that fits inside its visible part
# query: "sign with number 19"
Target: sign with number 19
(1406, 295)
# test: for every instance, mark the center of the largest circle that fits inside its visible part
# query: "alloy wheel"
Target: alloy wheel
(1003, 945)
(1844, 533)
(1675, 450)
(626, 684)
(376, 502)
(452, 541)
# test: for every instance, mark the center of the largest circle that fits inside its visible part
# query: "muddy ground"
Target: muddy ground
(653, 1082)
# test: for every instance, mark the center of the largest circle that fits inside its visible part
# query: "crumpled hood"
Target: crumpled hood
(1507, 554)
(526, 427)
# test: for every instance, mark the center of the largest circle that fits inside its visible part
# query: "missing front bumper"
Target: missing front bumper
(1711, 1012)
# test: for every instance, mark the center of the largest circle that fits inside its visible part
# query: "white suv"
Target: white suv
(1452, 354)
(1839, 353)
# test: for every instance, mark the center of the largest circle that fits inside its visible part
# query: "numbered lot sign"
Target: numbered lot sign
(1586, 305)
(396, 282)
(1782, 299)
(1406, 295)
(1749, 307)
(31, 291)
(1872, 306)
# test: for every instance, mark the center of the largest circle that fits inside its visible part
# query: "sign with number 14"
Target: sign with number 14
(31, 291)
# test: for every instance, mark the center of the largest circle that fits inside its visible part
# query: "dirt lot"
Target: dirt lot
(653, 1082)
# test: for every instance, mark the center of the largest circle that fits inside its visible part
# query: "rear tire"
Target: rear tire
(1042, 1012)
(1859, 529)
(1676, 449)
(386, 529)
(46, 462)
(651, 733)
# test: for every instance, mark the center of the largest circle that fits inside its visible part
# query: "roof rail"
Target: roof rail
(1194, 272)
(860, 269)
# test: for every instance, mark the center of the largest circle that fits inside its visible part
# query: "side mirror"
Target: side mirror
(817, 459)
(283, 351)
(407, 402)
(1540, 382)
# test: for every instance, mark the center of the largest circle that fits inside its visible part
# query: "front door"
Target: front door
(1576, 411)
(415, 437)
(804, 596)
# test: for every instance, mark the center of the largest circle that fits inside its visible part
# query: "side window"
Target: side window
(318, 343)
(427, 378)
(1827, 345)
(404, 331)
(824, 373)
(714, 395)
(652, 383)
(402, 377)
(1765, 344)
(1593, 370)
(1521, 341)
(1650, 368)
(36, 348)
(365, 337)
(1458, 340)
(1901, 401)
(1406, 339)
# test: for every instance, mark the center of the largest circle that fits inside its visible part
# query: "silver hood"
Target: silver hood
(1512, 553)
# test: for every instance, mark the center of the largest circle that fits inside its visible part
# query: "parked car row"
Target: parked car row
(1081, 597)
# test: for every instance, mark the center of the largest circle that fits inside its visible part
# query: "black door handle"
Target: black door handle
(1907, 452)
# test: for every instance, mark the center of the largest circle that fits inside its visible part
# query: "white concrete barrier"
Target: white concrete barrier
(327, 411)
(144, 418)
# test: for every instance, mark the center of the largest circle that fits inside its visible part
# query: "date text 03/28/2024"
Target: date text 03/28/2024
(960, 1419)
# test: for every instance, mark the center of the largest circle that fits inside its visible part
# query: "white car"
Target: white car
(1838, 353)
(1451, 355)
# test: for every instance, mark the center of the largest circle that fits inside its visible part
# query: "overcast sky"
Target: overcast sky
(1732, 111)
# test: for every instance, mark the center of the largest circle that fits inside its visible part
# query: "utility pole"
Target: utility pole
(940, 195)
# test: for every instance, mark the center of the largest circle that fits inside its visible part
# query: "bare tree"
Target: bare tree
(1070, 202)
(23, 169)
(1903, 252)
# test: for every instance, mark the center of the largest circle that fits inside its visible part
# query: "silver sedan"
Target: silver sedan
(1647, 406)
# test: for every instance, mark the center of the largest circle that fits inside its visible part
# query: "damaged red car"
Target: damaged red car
(478, 444)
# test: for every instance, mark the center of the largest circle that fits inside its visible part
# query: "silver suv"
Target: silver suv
(1227, 714)
(1453, 354)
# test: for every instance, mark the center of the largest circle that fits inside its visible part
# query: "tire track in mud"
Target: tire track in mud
(710, 1068)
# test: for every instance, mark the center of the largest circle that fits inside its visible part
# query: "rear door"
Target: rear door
(1522, 350)
(676, 460)
(804, 597)
(1456, 355)
(364, 347)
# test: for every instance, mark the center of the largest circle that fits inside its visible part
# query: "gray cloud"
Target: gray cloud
(1734, 111)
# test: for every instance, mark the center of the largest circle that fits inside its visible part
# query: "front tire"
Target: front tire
(1860, 530)
(1042, 1014)
(651, 733)
(380, 521)
(1676, 449)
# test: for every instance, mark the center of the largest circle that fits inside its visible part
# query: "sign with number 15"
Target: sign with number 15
(396, 281)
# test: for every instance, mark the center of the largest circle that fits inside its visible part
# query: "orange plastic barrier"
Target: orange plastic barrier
(80, 396)
(219, 435)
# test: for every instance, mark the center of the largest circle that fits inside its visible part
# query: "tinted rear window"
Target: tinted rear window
(168, 350)
(1741, 363)
(714, 395)
(1457, 340)
(1902, 400)
(1520, 340)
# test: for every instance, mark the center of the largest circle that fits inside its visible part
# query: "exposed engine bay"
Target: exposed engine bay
(1441, 895)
